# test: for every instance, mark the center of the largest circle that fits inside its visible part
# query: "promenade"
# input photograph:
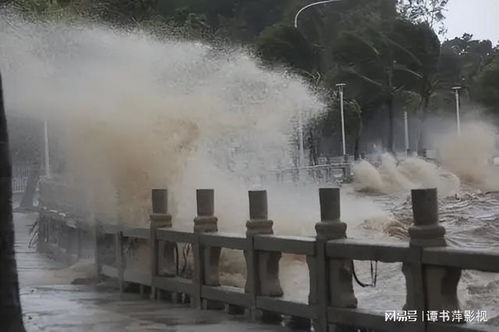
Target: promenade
(51, 303)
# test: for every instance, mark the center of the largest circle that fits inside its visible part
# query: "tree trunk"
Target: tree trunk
(422, 144)
(29, 192)
(391, 126)
(356, 152)
(10, 305)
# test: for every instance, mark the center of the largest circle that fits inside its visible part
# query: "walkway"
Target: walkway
(52, 304)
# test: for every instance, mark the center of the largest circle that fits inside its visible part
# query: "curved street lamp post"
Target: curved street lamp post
(300, 115)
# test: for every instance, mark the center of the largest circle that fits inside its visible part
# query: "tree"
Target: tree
(421, 55)
(353, 121)
(430, 12)
(486, 86)
(10, 305)
(374, 58)
(471, 56)
(286, 46)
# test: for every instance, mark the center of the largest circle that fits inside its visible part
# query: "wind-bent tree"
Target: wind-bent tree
(374, 59)
(287, 46)
(471, 55)
(10, 305)
(486, 86)
(430, 12)
(424, 47)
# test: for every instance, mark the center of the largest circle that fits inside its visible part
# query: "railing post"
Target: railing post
(206, 260)
(428, 287)
(160, 218)
(262, 267)
(330, 279)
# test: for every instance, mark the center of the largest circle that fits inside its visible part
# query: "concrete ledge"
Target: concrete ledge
(109, 229)
(174, 284)
(286, 306)
(285, 244)
(463, 258)
(137, 277)
(226, 294)
(109, 271)
(171, 235)
(224, 240)
(370, 250)
(366, 318)
(137, 233)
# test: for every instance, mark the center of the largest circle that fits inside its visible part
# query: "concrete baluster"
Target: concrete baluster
(262, 267)
(159, 219)
(330, 279)
(428, 287)
(206, 260)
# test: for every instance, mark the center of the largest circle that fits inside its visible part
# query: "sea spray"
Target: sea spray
(399, 177)
(469, 155)
(129, 112)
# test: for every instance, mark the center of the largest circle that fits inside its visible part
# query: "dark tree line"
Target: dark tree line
(389, 53)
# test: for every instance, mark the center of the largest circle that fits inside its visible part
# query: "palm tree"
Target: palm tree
(10, 305)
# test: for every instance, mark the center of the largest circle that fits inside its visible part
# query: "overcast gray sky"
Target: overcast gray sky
(478, 17)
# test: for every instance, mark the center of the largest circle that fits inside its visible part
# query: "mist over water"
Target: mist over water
(461, 159)
(469, 155)
(394, 177)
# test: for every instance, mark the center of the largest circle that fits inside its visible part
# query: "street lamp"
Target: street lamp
(457, 89)
(340, 87)
(300, 114)
(311, 5)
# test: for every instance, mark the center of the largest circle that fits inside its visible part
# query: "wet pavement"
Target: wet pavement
(51, 303)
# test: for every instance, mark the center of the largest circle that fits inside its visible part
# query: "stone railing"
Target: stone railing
(431, 269)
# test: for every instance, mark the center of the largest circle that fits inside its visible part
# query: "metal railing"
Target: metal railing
(20, 174)
(333, 173)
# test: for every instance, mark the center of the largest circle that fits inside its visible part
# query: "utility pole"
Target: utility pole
(340, 87)
(457, 89)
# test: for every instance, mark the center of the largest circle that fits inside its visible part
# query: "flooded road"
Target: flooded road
(51, 303)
